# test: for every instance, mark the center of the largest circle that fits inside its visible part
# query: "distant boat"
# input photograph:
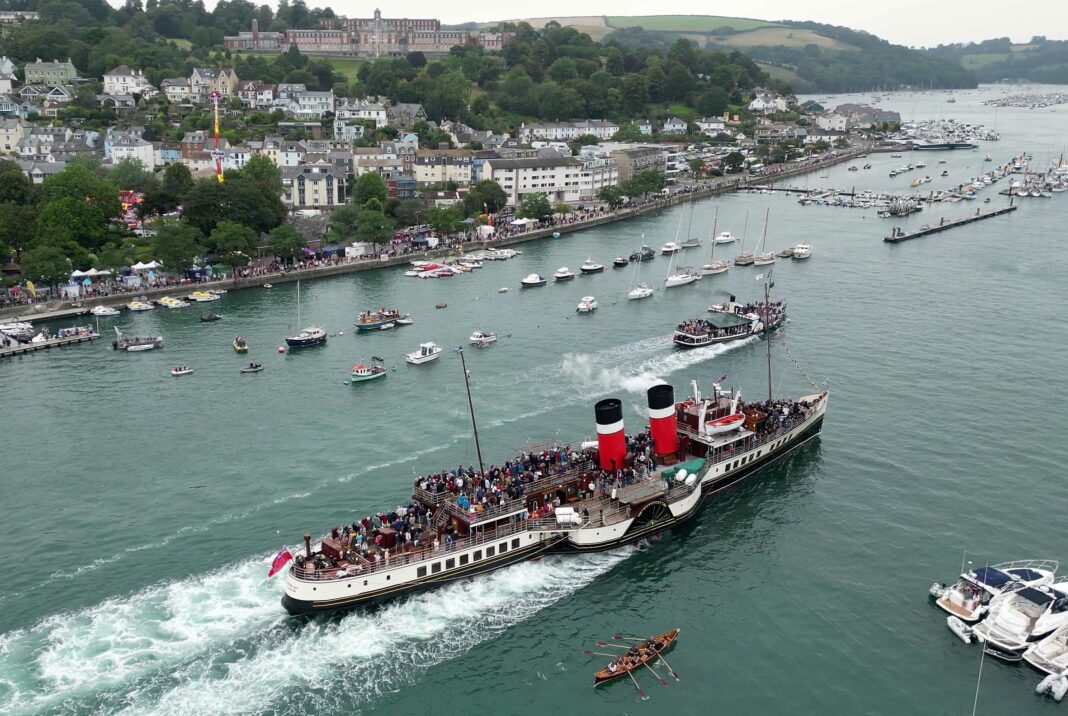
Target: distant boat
(765, 257)
(426, 353)
(309, 336)
(252, 368)
(588, 304)
(362, 373)
(802, 251)
(181, 370)
(714, 265)
(482, 339)
(563, 274)
(532, 280)
(210, 317)
(240, 345)
(590, 266)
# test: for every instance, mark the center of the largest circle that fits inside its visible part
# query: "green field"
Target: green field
(973, 62)
(347, 66)
(779, 73)
(781, 36)
(686, 23)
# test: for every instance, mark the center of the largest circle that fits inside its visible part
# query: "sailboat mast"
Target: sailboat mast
(471, 406)
(298, 300)
(715, 224)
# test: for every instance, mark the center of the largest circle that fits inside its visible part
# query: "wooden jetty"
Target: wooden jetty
(22, 348)
(897, 236)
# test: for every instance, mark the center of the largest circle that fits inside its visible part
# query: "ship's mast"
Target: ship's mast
(471, 406)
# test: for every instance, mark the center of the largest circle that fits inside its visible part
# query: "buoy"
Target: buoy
(281, 349)
(341, 333)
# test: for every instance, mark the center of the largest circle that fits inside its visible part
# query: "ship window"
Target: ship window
(490, 552)
(365, 582)
(463, 559)
(421, 572)
(504, 547)
(388, 576)
(515, 543)
(478, 555)
(435, 568)
(450, 563)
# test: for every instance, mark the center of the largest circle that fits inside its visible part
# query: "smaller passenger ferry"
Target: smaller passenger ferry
(729, 322)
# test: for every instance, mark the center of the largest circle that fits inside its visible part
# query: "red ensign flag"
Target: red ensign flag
(280, 559)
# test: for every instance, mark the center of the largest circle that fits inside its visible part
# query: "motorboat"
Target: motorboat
(563, 274)
(135, 344)
(172, 302)
(482, 338)
(670, 248)
(588, 304)
(1023, 617)
(945, 172)
(533, 280)
(591, 266)
(252, 368)
(181, 370)
(1050, 654)
(310, 336)
(681, 277)
(974, 591)
(726, 237)
(104, 311)
(619, 262)
(642, 290)
(406, 321)
(19, 330)
(471, 264)
(240, 345)
(204, 296)
(210, 317)
(802, 251)
(139, 306)
(374, 320)
(267, 285)
(644, 254)
(426, 353)
(362, 373)
(503, 289)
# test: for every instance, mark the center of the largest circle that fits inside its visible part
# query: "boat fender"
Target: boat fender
(937, 590)
(1046, 684)
(960, 629)
(1060, 687)
(690, 480)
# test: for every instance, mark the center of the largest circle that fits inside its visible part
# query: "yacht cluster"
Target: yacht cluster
(1029, 101)
(937, 131)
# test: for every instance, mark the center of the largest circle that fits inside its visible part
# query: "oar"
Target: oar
(617, 637)
(640, 691)
(598, 653)
(661, 655)
(614, 646)
(663, 681)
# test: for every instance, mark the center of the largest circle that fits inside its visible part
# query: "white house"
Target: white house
(766, 102)
(562, 179)
(711, 125)
(833, 121)
(125, 146)
(370, 109)
(673, 125)
(176, 89)
(312, 186)
(311, 104)
(126, 81)
(566, 131)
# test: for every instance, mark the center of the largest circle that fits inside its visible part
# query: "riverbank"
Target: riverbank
(56, 310)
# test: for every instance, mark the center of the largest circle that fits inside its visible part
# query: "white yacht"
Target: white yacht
(532, 280)
(588, 304)
(803, 251)
(140, 306)
(975, 590)
(640, 291)
(726, 238)
(482, 338)
(563, 274)
(591, 266)
(764, 259)
(1022, 618)
(681, 277)
(670, 248)
(714, 265)
(426, 353)
(104, 311)
(1050, 654)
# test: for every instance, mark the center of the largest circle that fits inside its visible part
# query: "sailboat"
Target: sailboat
(746, 257)
(309, 336)
(640, 290)
(765, 257)
(714, 266)
(691, 242)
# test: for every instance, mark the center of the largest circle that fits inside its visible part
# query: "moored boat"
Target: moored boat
(135, 344)
(426, 353)
(481, 339)
(532, 280)
(590, 266)
(362, 373)
(240, 345)
(104, 311)
(307, 337)
(374, 320)
(974, 591)
(802, 251)
(139, 306)
(619, 262)
(643, 254)
(669, 248)
(1021, 618)
(588, 304)
(563, 274)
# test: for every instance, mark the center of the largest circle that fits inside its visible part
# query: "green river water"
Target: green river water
(141, 511)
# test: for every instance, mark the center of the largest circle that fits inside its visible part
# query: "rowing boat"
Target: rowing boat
(625, 664)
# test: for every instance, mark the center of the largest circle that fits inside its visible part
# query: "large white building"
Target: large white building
(562, 179)
(126, 81)
(126, 146)
(440, 166)
(567, 131)
(313, 186)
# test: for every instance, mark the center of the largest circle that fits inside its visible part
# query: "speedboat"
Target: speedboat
(533, 280)
(240, 345)
(171, 302)
(426, 353)
(361, 373)
(681, 277)
(204, 296)
(803, 251)
(252, 368)
(713, 267)
(139, 306)
(503, 289)
(181, 370)
(406, 321)
(471, 264)
(20, 330)
(591, 266)
(104, 311)
(1028, 615)
(670, 248)
(310, 336)
(726, 237)
(642, 290)
(210, 317)
(645, 254)
(619, 262)
(764, 259)
(587, 304)
(1050, 654)
(563, 274)
(974, 591)
(482, 338)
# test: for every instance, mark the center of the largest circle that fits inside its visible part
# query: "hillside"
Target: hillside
(811, 56)
(1039, 60)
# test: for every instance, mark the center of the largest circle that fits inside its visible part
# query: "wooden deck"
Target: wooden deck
(898, 236)
(23, 348)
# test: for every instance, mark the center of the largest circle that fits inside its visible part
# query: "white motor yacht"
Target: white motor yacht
(482, 338)
(532, 280)
(803, 251)
(1050, 654)
(426, 353)
(139, 306)
(563, 274)
(726, 237)
(104, 311)
(974, 591)
(1022, 618)
(591, 266)
(588, 304)
(640, 291)
(670, 248)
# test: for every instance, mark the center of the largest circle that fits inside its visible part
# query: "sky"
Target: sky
(906, 22)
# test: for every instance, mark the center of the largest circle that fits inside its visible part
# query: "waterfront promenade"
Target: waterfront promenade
(53, 310)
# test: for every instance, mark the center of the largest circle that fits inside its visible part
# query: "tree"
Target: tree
(562, 208)
(130, 173)
(64, 221)
(445, 219)
(14, 220)
(534, 206)
(696, 165)
(611, 195)
(285, 242)
(176, 244)
(46, 264)
(486, 195)
(343, 223)
(369, 186)
(80, 183)
(239, 201)
(733, 162)
(15, 187)
(230, 238)
(644, 183)
(373, 226)
(262, 172)
(177, 180)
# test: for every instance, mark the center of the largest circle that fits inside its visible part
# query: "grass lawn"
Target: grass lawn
(972, 62)
(686, 23)
(347, 66)
(779, 73)
(784, 36)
